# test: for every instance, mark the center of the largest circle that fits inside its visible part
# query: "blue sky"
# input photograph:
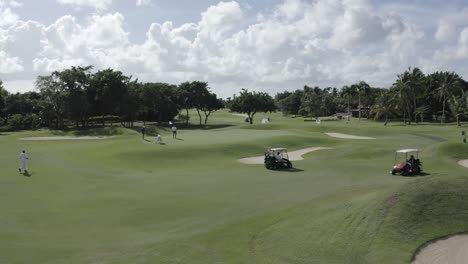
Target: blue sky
(264, 45)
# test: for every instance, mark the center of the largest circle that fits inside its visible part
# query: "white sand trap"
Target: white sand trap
(346, 136)
(293, 155)
(445, 251)
(463, 163)
(64, 138)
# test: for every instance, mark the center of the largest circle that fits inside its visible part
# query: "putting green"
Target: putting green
(119, 200)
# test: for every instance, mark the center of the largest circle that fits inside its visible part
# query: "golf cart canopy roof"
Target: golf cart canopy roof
(278, 149)
(407, 150)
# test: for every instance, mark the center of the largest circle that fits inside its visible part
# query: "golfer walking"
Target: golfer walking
(158, 139)
(23, 158)
(174, 132)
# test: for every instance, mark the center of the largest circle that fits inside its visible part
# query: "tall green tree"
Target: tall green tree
(76, 83)
(385, 105)
(109, 89)
(312, 102)
(54, 97)
(458, 106)
(252, 102)
(446, 85)
(289, 103)
(210, 104)
(3, 96)
(410, 84)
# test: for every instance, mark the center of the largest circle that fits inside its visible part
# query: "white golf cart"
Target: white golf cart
(277, 158)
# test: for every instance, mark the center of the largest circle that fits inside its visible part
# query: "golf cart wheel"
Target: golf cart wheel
(289, 164)
(393, 172)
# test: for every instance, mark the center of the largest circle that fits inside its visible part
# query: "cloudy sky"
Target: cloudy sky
(263, 45)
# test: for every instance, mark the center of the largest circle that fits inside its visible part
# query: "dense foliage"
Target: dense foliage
(78, 97)
(82, 98)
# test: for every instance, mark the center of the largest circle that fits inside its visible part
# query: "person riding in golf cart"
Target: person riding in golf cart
(277, 158)
(411, 166)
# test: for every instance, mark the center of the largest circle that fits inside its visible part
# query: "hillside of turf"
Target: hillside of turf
(127, 200)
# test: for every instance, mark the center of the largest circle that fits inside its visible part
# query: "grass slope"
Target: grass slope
(127, 200)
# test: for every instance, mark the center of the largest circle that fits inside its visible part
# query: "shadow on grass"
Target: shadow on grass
(422, 174)
(203, 127)
(294, 170)
(102, 131)
(26, 174)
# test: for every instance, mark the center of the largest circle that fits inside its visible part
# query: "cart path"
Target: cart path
(346, 136)
(463, 163)
(64, 138)
(446, 250)
(434, 138)
(293, 155)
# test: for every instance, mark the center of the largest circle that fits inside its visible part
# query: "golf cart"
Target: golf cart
(411, 166)
(276, 159)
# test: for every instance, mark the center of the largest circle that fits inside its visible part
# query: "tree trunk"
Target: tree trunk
(251, 118)
(359, 107)
(386, 119)
(458, 120)
(206, 117)
(187, 117)
(348, 110)
(199, 116)
(443, 112)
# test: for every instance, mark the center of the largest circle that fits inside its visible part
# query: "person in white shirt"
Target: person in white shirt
(278, 157)
(158, 139)
(23, 158)
(174, 131)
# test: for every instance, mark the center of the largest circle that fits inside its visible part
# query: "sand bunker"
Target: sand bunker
(463, 163)
(339, 135)
(293, 155)
(64, 138)
(449, 250)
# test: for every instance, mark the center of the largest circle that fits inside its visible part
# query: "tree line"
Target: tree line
(81, 98)
(413, 97)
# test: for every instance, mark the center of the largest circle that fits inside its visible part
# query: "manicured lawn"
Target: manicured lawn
(126, 200)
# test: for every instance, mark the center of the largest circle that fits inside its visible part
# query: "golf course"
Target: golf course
(114, 197)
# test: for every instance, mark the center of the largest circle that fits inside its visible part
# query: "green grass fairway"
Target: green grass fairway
(126, 200)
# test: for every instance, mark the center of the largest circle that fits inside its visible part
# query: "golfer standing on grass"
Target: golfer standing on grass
(23, 157)
(143, 130)
(174, 132)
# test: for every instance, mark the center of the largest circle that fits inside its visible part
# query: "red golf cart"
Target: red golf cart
(410, 166)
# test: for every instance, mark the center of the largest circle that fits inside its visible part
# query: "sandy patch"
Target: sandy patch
(346, 136)
(463, 163)
(451, 250)
(293, 155)
(64, 138)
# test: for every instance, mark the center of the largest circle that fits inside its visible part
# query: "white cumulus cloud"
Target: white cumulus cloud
(98, 4)
(143, 2)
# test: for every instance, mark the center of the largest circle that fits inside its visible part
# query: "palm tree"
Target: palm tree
(458, 106)
(349, 93)
(446, 85)
(386, 104)
(421, 111)
(410, 84)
